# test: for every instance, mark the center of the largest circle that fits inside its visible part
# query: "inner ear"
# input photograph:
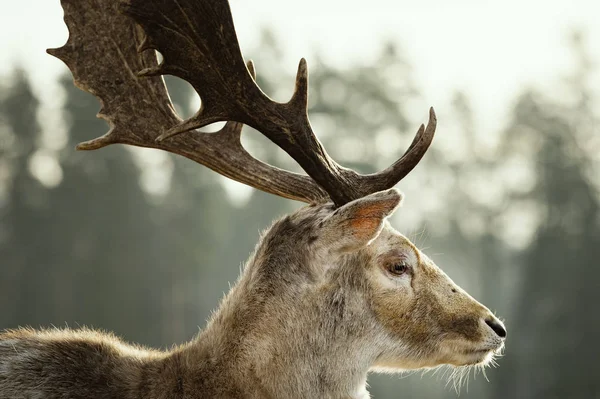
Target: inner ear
(359, 222)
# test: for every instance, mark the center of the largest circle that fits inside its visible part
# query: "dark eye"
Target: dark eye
(398, 268)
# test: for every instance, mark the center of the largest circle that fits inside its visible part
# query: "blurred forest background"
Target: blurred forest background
(145, 244)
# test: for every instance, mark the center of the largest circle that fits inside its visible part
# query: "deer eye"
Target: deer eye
(398, 268)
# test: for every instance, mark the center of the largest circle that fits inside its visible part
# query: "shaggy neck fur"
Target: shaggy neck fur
(254, 343)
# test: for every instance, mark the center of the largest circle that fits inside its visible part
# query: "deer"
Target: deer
(331, 292)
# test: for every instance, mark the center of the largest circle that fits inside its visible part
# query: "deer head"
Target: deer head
(332, 291)
(339, 289)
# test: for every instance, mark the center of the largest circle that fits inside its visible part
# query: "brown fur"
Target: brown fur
(313, 311)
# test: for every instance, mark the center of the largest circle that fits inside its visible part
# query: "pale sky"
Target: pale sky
(490, 49)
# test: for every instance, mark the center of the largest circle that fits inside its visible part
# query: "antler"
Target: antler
(101, 52)
(198, 43)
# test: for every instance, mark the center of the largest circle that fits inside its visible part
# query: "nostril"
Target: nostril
(497, 326)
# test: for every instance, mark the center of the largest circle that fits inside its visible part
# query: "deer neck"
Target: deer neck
(291, 345)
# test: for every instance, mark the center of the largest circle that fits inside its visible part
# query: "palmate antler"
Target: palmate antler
(198, 42)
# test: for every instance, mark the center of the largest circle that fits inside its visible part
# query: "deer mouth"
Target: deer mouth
(478, 351)
(473, 357)
(481, 355)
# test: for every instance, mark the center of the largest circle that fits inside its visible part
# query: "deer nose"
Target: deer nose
(497, 326)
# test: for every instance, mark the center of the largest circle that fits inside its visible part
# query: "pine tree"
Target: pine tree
(23, 211)
(551, 354)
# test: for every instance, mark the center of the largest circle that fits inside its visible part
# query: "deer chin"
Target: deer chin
(470, 358)
(482, 354)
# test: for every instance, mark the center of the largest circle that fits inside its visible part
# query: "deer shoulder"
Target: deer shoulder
(63, 363)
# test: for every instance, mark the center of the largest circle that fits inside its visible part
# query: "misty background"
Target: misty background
(506, 201)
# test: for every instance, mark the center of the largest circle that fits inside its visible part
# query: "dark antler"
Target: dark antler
(198, 42)
(197, 39)
(102, 55)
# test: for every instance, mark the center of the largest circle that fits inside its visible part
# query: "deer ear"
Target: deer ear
(356, 224)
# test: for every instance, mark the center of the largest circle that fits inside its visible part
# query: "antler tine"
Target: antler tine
(398, 170)
(101, 53)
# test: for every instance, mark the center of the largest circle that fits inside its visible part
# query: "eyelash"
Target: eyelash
(399, 268)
